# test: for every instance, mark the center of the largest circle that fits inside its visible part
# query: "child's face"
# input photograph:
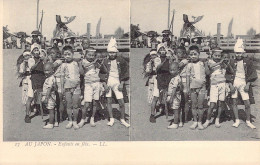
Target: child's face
(216, 56)
(239, 55)
(180, 53)
(153, 56)
(53, 54)
(174, 70)
(162, 52)
(68, 55)
(43, 54)
(112, 55)
(194, 55)
(36, 52)
(26, 58)
(48, 70)
(90, 56)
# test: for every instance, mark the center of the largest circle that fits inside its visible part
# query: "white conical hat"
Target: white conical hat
(112, 45)
(239, 46)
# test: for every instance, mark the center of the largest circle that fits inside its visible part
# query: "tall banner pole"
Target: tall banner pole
(169, 6)
(37, 17)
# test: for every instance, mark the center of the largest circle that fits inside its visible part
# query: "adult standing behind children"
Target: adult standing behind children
(118, 73)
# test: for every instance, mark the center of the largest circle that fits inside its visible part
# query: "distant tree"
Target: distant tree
(135, 31)
(251, 32)
(119, 32)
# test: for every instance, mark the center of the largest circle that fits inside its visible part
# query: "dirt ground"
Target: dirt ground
(15, 129)
(143, 130)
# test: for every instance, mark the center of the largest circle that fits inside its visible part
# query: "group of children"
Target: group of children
(56, 81)
(179, 79)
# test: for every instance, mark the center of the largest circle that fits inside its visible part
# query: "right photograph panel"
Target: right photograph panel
(194, 70)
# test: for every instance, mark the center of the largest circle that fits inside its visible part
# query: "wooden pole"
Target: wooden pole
(218, 33)
(88, 30)
(37, 19)
(169, 6)
(41, 21)
(173, 12)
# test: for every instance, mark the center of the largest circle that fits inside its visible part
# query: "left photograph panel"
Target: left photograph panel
(66, 70)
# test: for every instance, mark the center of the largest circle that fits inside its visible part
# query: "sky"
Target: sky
(20, 15)
(153, 15)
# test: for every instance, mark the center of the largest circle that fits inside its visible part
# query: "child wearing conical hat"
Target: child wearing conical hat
(245, 74)
(117, 74)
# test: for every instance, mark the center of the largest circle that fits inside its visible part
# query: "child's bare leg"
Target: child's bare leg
(122, 110)
(235, 110)
(109, 107)
(28, 105)
(248, 114)
(76, 106)
(153, 105)
(176, 116)
(56, 124)
(201, 98)
(209, 113)
(51, 119)
(176, 119)
(94, 110)
(110, 112)
(84, 114)
(27, 119)
(181, 114)
(186, 107)
(51, 116)
(220, 107)
(194, 106)
(61, 107)
(68, 96)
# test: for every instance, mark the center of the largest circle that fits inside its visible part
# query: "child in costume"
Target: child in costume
(118, 73)
(70, 85)
(49, 96)
(245, 75)
(174, 93)
(196, 85)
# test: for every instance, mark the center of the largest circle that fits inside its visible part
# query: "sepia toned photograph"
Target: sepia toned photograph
(66, 70)
(195, 68)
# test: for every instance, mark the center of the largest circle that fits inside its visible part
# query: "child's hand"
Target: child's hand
(246, 89)
(120, 87)
(62, 91)
(232, 89)
(107, 88)
(45, 101)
